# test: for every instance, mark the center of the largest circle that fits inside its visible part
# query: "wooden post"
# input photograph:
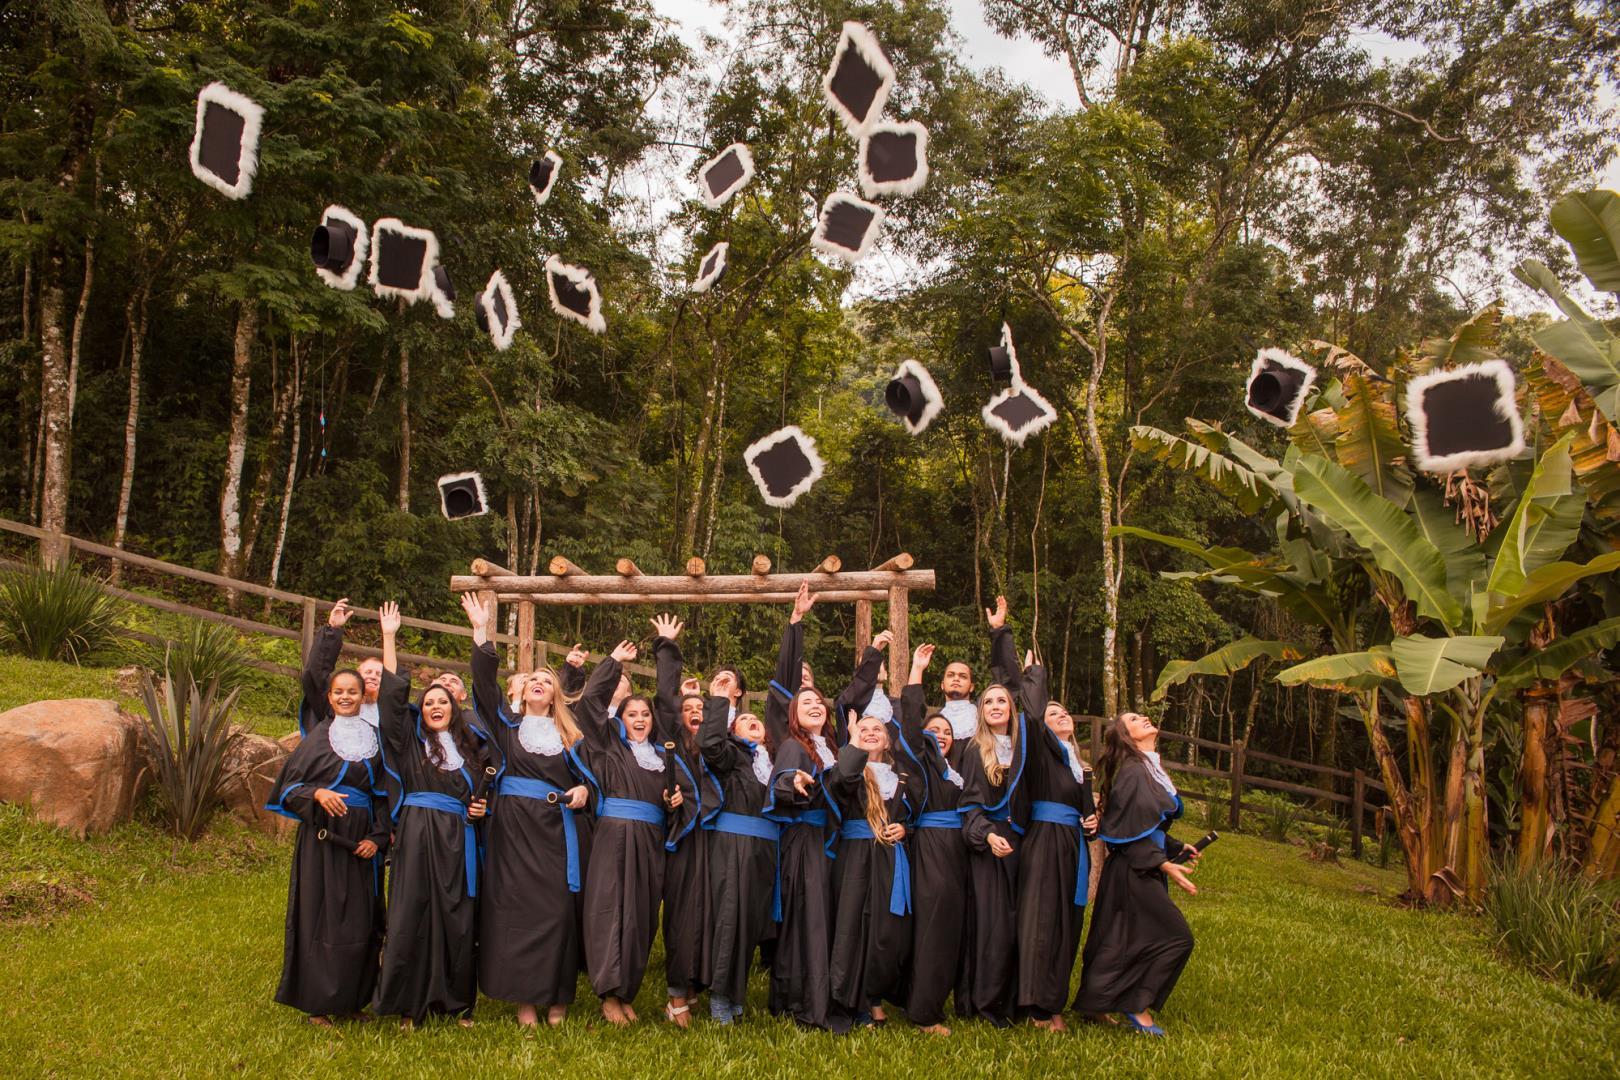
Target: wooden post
(900, 648)
(863, 627)
(1358, 798)
(761, 564)
(306, 639)
(1237, 784)
(627, 568)
(1097, 723)
(525, 657)
(830, 565)
(902, 561)
(695, 567)
(561, 567)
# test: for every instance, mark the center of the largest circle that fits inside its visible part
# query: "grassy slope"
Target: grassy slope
(1300, 969)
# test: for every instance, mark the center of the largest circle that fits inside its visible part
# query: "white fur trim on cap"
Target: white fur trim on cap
(362, 244)
(581, 277)
(542, 194)
(819, 241)
(252, 114)
(706, 281)
(1506, 408)
(806, 444)
(426, 287)
(744, 158)
(871, 186)
(478, 481)
(1284, 360)
(501, 338)
(935, 401)
(856, 36)
(1034, 427)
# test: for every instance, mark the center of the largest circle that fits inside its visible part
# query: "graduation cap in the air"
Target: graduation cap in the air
(574, 294)
(712, 268)
(913, 396)
(1464, 417)
(723, 175)
(339, 247)
(848, 228)
(857, 84)
(444, 293)
(1018, 412)
(894, 159)
(461, 495)
(496, 312)
(784, 465)
(225, 145)
(543, 174)
(1003, 359)
(1278, 386)
(402, 260)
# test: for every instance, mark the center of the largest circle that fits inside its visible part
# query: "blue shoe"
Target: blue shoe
(1146, 1029)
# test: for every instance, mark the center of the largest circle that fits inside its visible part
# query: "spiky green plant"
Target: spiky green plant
(188, 738)
(206, 654)
(59, 614)
(1559, 924)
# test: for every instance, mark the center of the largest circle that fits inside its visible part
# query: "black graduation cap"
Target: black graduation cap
(402, 260)
(1464, 417)
(339, 247)
(725, 174)
(1278, 386)
(1004, 359)
(913, 396)
(574, 294)
(857, 84)
(461, 495)
(225, 144)
(543, 174)
(784, 465)
(712, 268)
(496, 311)
(848, 228)
(444, 293)
(894, 159)
(1018, 412)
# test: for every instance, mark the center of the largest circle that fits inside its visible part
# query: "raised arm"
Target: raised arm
(572, 673)
(318, 668)
(789, 668)
(1003, 653)
(394, 719)
(714, 734)
(849, 771)
(388, 616)
(863, 685)
(1034, 695)
(913, 703)
(592, 707)
(667, 660)
(486, 688)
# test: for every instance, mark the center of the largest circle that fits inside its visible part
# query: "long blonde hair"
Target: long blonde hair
(561, 714)
(984, 740)
(877, 808)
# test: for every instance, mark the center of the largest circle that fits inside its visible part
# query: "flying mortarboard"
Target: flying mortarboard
(496, 312)
(712, 268)
(894, 159)
(225, 144)
(402, 260)
(725, 174)
(1278, 385)
(574, 294)
(1464, 417)
(1003, 359)
(461, 495)
(444, 293)
(1018, 412)
(848, 228)
(339, 247)
(543, 175)
(913, 396)
(857, 84)
(784, 465)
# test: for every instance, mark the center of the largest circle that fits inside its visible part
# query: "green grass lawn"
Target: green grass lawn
(158, 960)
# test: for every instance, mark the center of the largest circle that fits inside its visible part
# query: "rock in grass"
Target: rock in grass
(252, 764)
(78, 763)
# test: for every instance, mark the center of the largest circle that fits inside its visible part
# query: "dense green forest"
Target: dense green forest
(1351, 181)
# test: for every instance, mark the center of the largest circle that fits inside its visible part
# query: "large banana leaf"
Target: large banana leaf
(1545, 521)
(1316, 432)
(1589, 221)
(1582, 344)
(1395, 542)
(1429, 665)
(1556, 389)
(1551, 662)
(1369, 444)
(1474, 340)
(1342, 671)
(1251, 492)
(1224, 661)
(1546, 583)
(1464, 558)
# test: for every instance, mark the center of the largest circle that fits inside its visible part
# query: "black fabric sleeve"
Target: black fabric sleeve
(849, 771)
(785, 683)
(486, 688)
(1004, 658)
(323, 658)
(667, 661)
(858, 692)
(714, 736)
(394, 716)
(591, 709)
(573, 678)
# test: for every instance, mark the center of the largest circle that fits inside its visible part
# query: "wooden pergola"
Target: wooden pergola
(891, 583)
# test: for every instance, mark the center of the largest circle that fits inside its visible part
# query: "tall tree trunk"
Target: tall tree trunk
(78, 322)
(135, 317)
(1426, 807)
(1535, 815)
(716, 476)
(1400, 800)
(700, 459)
(56, 423)
(230, 497)
(259, 494)
(1105, 519)
(292, 466)
(404, 429)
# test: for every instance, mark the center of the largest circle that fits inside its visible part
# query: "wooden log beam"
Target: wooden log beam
(830, 565)
(625, 599)
(561, 567)
(863, 627)
(761, 564)
(485, 568)
(627, 568)
(656, 586)
(695, 567)
(902, 561)
(525, 635)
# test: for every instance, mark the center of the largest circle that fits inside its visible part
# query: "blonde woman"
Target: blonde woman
(531, 912)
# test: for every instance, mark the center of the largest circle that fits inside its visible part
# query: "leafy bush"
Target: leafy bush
(188, 736)
(206, 654)
(1560, 925)
(58, 614)
(1280, 821)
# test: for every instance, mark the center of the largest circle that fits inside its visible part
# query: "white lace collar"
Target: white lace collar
(368, 713)
(964, 718)
(1003, 749)
(887, 780)
(1072, 759)
(352, 739)
(647, 755)
(452, 753)
(762, 765)
(823, 751)
(952, 775)
(1156, 770)
(539, 735)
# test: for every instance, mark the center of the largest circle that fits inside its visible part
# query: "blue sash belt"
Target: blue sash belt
(818, 818)
(759, 828)
(357, 799)
(940, 819)
(632, 810)
(434, 800)
(1056, 813)
(900, 890)
(1004, 817)
(525, 787)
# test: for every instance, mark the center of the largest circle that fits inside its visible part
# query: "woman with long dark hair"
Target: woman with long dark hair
(1139, 940)
(429, 962)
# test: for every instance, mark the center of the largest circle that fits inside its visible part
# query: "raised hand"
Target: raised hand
(667, 626)
(625, 651)
(388, 616)
(723, 683)
(803, 602)
(997, 616)
(340, 614)
(477, 617)
(921, 655)
(882, 641)
(576, 656)
(691, 686)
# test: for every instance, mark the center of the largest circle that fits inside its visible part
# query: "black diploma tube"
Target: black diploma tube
(485, 782)
(671, 785)
(333, 838)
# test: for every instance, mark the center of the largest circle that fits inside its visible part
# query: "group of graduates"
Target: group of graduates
(870, 852)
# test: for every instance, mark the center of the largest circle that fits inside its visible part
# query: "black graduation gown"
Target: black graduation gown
(530, 922)
(1139, 940)
(334, 898)
(742, 868)
(871, 943)
(988, 983)
(939, 871)
(429, 964)
(625, 881)
(801, 980)
(323, 658)
(1049, 860)
(688, 929)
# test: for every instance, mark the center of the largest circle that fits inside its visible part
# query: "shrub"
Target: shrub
(1280, 821)
(188, 736)
(1560, 925)
(207, 654)
(59, 614)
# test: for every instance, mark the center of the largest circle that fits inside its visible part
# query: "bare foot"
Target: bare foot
(320, 1021)
(935, 1029)
(556, 1015)
(878, 1015)
(678, 1012)
(528, 1016)
(407, 1024)
(630, 1013)
(1058, 1024)
(613, 1012)
(465, 1021)
(1046, 1025)
(1143, 1018)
